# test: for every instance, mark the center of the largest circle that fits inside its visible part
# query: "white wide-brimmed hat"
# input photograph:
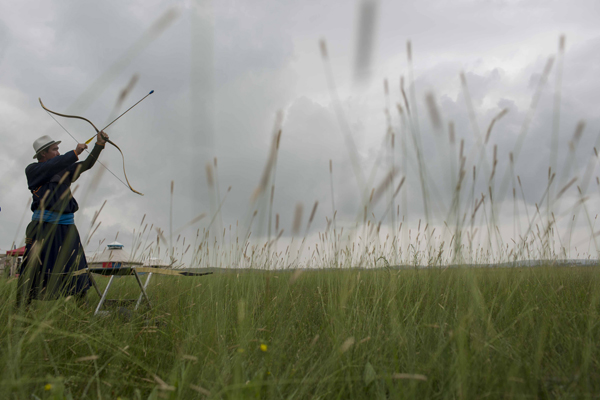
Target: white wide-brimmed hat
(42, 144)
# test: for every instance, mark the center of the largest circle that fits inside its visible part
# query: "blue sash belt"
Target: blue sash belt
(54, 218)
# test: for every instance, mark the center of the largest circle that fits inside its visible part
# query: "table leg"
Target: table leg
(141, 294)
(137, 277)
(94, 284)
(104, 295)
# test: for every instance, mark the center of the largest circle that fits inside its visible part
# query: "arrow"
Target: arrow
(114, 120)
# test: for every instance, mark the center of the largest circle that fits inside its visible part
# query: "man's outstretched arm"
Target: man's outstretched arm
(89, 162)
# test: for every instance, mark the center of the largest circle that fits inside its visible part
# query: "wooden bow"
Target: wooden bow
(97, 131)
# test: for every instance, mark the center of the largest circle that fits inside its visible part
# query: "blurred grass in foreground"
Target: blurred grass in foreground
(435, 333)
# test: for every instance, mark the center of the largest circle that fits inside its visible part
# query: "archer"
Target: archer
(53, 246)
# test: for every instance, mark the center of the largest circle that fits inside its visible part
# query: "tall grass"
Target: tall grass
(443, 333)
(326, 314)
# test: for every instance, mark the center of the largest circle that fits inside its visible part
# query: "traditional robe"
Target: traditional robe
(53, 246)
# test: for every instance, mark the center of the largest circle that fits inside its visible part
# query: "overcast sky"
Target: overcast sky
(222, 71)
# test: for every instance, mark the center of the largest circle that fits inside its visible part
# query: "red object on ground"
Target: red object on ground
(16, 252)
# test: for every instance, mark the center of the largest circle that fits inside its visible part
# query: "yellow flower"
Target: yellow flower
(263, 347)
(47, 387)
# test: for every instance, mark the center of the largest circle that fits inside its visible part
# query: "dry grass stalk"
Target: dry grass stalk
(400, 110)
(123, 95)
(577, 135)
(92, 234)
(495, 161)
(295, 275)
(434, 112)
(312, 213)
(417, 377)
(347, 344)
(87, 358)
(323, 48)
(399, 186)
(566, 187)
(97, 213)
(200, 390)
(160, 235)
(385, 183)
(532, 108)
(297, 219)
(190, 223)
(315, 339)
(271, 161)
(367, 21)
(162, 385)
(404, 94)
(152, 33)
(496, 118)
(209, 175)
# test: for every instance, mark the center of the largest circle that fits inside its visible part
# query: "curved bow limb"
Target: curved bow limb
(127, 180)
(97, 131)
(67, 116)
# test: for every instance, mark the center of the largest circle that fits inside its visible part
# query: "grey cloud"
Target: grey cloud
(254, 39)
(255, 54)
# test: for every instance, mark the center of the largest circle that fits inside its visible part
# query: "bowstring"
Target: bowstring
(86, 150)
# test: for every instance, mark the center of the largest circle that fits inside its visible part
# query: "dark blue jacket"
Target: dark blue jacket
(51, 180)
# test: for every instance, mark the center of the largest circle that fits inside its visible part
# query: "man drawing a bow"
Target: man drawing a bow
(53, 246)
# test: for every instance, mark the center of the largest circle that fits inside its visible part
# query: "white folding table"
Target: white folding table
(130, 271)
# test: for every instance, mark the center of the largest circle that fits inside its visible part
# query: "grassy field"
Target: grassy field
(431, 333)
(265, 330)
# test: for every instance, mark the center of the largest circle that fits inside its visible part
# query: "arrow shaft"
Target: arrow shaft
(115, 120)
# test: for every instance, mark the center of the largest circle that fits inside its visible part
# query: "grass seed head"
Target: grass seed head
(434, 112)
(209, 175)
(323, 47)
(297, 219)
(347, 344)
(451, 133)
